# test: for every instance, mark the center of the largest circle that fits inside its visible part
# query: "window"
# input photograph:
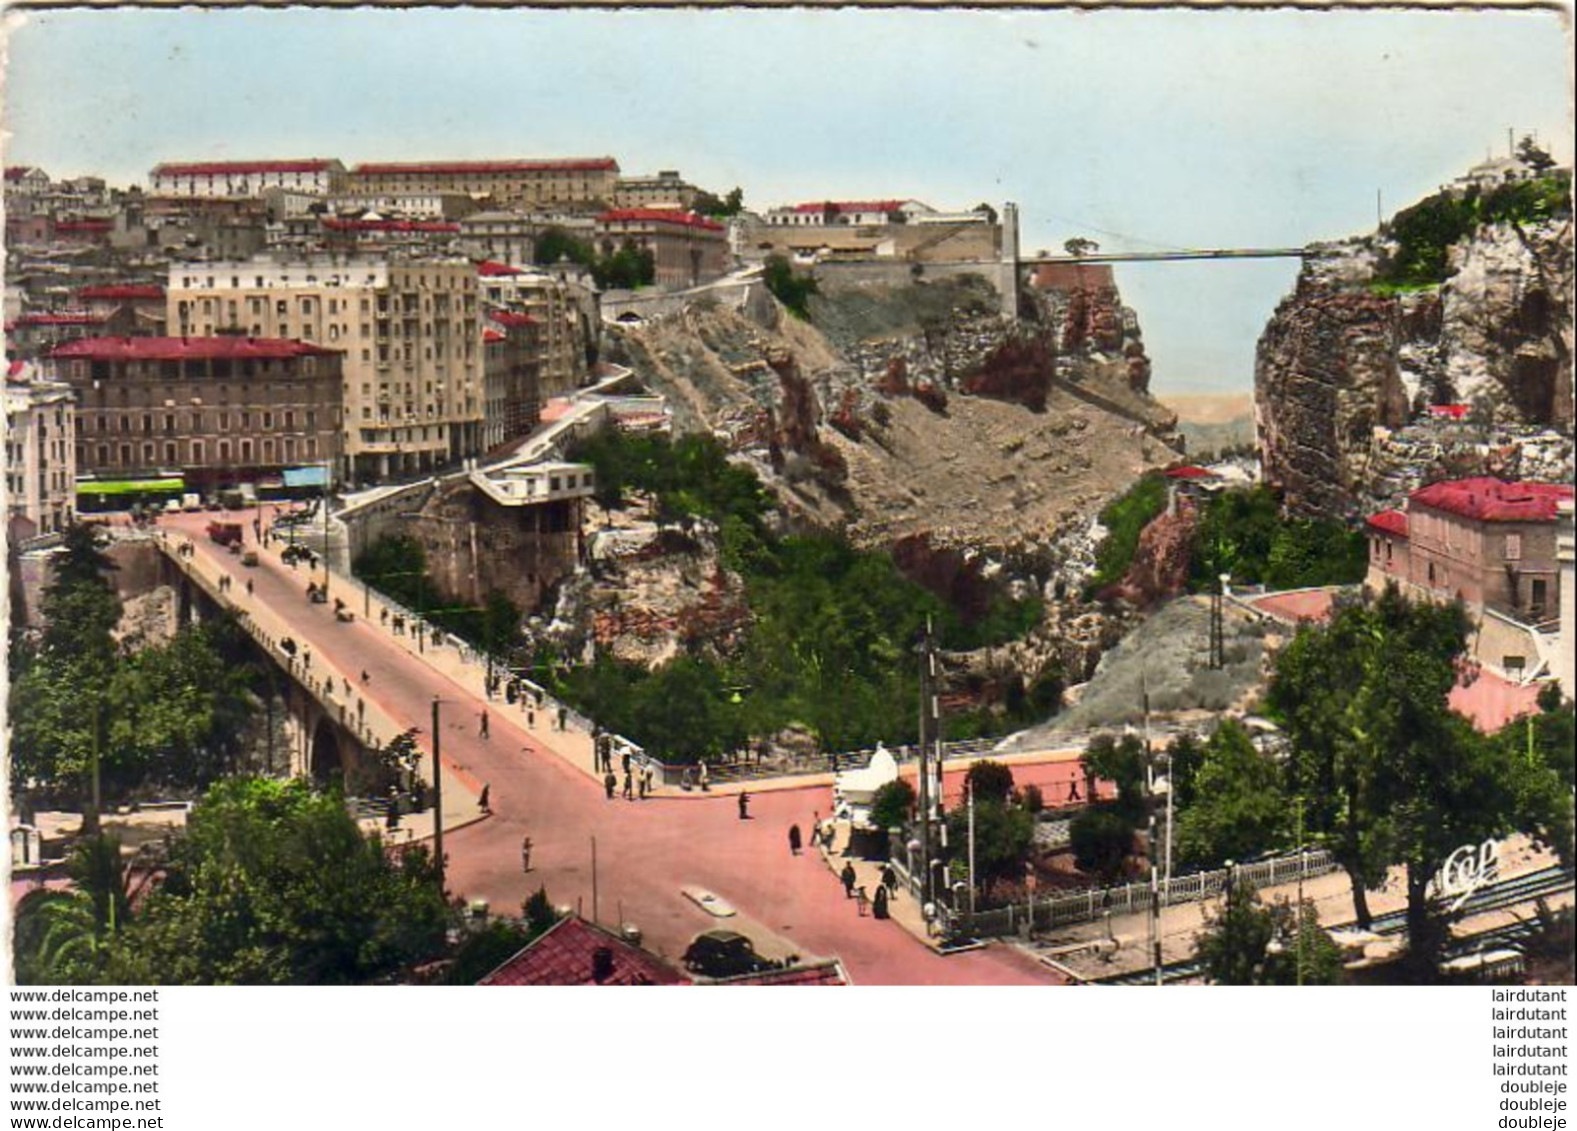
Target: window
(1541, 594)
(1513, 666)
(1513, 547)
(224, 451)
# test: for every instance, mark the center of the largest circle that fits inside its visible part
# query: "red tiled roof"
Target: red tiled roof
(565, 954)
(568, 164)
(1486, 499)
(1392, 522)
(122, 290)
(659, 216)
(1491, 702)
(851, 206)
(84, 225)
(1451, 411)
(1191, 473)
(494, 336)
(17, 172)
(510, 318)
(390, 226)
(489, 269)
(221, 168)
(174, 349)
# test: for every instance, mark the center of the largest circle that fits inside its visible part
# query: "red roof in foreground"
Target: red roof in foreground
(659, 216)
(175, 349)
(1486, 499)
(569, 164)
(566, 954)
(122, 290)
(1191, 472)
(1491, 702)
(1392, 522)
(489, 269)
(221, 168)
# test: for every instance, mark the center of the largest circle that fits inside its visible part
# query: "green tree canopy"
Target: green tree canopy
(892, 803)
(274, 883)
(1239, 808)
(1248, 944)
(1388, 773)
(989, 781)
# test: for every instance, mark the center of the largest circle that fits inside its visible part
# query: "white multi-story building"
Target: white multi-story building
(849, 213)
(40, 453)
(565, 312)
(410, 330)
(316, 175)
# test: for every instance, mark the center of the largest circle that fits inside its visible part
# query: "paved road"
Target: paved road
(647, 851)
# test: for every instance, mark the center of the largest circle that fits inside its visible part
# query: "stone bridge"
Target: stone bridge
(331, 730)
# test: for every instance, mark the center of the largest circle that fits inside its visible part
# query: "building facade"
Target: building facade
(316, 175)
(565, 313)
(511, 359)
(666, 190)
(40, 453)
(216, 410)
(575, 183)
(410, 332)
(1493, 546)
(688, 249)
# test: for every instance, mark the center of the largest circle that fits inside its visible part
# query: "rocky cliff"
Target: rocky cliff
(911, 409)
(1353, 354)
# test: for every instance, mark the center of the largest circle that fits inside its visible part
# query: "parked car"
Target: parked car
(724, 954)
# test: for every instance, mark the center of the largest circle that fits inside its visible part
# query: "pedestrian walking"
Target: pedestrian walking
(861, 900)
(794, 841)
(610, 783)
(879, 904)
(365, 678)
(531, 719)
(249, 587)
(482, 726)
(848, 877)
(889, 879)
(563, 717)
(703, 778)
(1073, 791)
(383, 616)
(525, 855)
(629, 787)
(744, 805)
(482, 801)
(625, 758)
(642, 783)
(646, 780)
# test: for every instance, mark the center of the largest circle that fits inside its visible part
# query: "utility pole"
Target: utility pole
(927, 723)
(970, 790)
(1149, 777)
(438, 797)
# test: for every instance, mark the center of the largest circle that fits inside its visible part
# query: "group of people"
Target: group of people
(878, 904)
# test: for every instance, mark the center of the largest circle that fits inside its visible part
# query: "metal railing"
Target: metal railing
(1089, 905)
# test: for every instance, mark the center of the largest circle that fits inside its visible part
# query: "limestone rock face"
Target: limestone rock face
(1325, 376)
(1506, 323)
(1338, 360)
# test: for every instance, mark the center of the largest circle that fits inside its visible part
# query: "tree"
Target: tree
(1387, 772)
(274, 883)
(991, 782)
(1247, 944)
(1004, 835)
(1239, 808)
(64, 937)
(1121, 762)
(1102, 840)
(1534, 155)
(892, 803)
(789, 287)
(555, 244)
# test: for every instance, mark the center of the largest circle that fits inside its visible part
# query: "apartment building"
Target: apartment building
(688, 249)
(40, 453)
(316, 175)
(666, 190)
(409, 329)
(574, 183)
(564, 310)
(216, 410)
(511, 361)
(1490, 544)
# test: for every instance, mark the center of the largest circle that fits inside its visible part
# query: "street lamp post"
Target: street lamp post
(438, 796)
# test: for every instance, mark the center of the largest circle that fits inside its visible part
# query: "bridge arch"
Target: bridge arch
(326, 758)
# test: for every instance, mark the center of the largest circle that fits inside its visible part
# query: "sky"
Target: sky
(1142, 130)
